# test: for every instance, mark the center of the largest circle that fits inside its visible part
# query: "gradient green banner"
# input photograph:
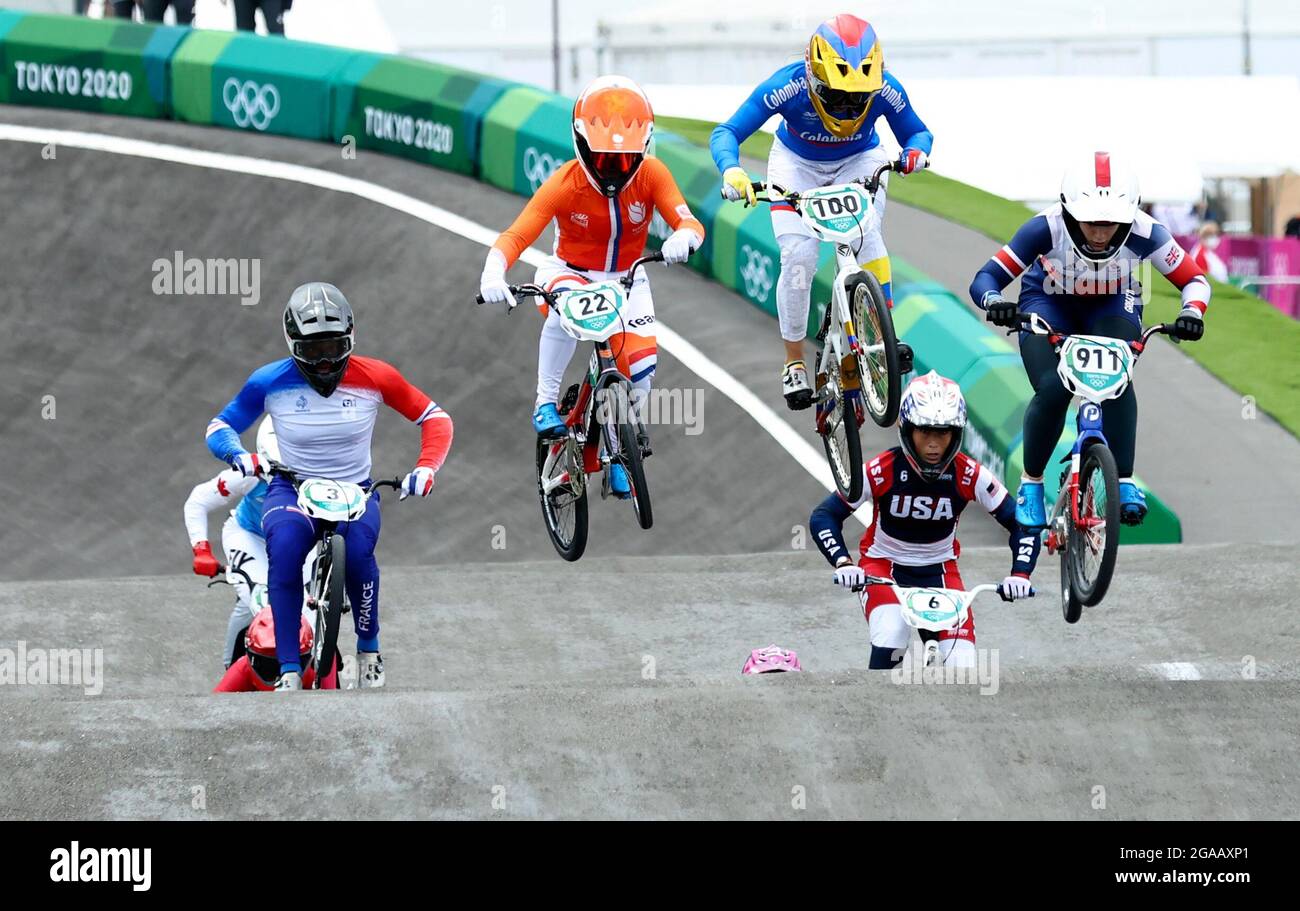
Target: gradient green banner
(415, 109)
(255, 83)
(110, 66)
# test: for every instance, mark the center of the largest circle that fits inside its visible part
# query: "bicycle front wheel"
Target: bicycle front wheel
(882, 382)
(1094, 538)
(562, 490)
(327, 590)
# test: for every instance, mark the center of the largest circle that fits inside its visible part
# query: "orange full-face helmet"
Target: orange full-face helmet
(612, 128)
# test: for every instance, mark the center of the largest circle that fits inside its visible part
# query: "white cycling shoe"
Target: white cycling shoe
(794, 384)
(289, 681)
(370, 670)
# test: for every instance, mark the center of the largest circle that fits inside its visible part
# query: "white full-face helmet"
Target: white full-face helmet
(1099, 188)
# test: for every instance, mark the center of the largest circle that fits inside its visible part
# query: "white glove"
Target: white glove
(248, 464)
(418, 482)
(492, 285)
(1014, 587)
(679, 246)
(849, 575)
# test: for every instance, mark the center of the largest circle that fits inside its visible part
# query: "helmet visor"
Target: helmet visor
(321, 350)
(614, 167)
(843, 105)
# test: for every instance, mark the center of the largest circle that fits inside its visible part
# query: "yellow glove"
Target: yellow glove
(736, 185)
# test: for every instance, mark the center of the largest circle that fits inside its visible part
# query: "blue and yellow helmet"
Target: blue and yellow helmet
(846, 70)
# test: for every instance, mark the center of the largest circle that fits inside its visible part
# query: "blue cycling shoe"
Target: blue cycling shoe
(1030, 511)
(1132, 503)
(618, 481)
(548, 423)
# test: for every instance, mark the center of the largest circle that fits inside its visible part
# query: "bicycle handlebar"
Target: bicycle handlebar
(973, 592)
(1039, 326)
(531, 290)
(872, 184)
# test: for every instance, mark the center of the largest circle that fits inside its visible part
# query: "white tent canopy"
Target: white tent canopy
(1013, 136)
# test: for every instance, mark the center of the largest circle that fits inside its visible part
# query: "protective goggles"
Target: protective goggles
(321, 350)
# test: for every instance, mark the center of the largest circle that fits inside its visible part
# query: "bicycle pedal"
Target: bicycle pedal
(570, 398)
(643, 443)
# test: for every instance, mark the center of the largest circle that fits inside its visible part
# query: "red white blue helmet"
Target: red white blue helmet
(934, 402)
(1099, 188)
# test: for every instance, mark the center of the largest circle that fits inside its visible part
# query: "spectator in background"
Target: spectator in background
(113, 9)
(1203, 253)
(1179, 218)
(272, 12)
(154, 9)
(1293, 227)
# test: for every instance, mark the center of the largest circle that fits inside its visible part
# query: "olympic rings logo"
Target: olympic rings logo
(756, 273)
(251, 104)
(538, 166)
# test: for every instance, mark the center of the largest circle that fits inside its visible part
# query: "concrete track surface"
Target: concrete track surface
(520, 686)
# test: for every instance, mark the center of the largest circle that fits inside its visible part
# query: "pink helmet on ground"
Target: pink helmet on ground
(772, 659)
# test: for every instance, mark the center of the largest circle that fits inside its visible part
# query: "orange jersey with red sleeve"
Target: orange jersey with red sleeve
(593, 231)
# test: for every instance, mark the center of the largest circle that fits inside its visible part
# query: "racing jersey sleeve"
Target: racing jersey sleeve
(532, 221)
(827, 521)
(910, 131)
(1183, 272)
(245, 408)
(223, 490)
(757, 109)
(668, 199)
(415, 406)
(1032, 241)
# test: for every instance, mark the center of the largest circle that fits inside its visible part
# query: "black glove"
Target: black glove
(1189, 326)
(1001, 312)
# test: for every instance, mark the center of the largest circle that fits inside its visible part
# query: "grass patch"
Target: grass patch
(1249, 344)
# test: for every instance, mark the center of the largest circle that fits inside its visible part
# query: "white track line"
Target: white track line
(1176, 670)
(695, 360)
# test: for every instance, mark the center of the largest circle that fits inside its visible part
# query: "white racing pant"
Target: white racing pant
(635, 348)
(799, 247)
(245, 568)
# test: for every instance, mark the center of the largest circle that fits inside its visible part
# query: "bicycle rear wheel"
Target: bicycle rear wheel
(882, 381)
(564, 505)
(327, 591)
(1094, 541)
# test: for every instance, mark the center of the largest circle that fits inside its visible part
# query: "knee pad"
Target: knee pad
(888, 628)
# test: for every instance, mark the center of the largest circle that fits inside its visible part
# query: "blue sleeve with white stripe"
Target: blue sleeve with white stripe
(827, 526)
(245, 408)
(910, 131)
(1032, 240)
(724, 142)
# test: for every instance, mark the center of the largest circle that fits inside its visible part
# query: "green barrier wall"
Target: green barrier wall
(415, 109)
(110, 66)
(250, 82)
